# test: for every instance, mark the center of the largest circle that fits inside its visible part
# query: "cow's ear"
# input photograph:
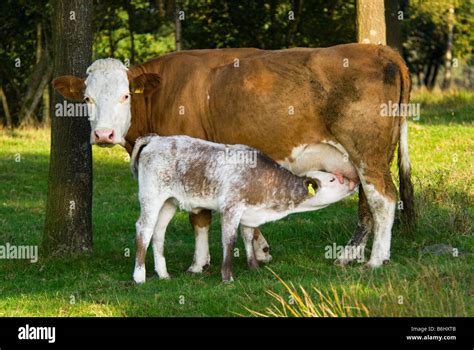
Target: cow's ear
(70, 87)
(145, 83)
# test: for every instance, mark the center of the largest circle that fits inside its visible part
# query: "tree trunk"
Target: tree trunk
(434, 75)
(36, 84)
(177, 23)
(393, 30)
(111, 43)
(131, 19)
(28, 119)
(371, 22)
(448, 57)
(45, 120)
(68, 224)
(6, 109)
(427, 75)
(293, 26)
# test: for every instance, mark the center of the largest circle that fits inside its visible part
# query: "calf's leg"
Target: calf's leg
(201, 222)
(158, 240)
(150, 208)
(247, 235)
(230, 222)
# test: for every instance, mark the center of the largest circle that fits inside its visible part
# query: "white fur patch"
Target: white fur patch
(106, 64)
(405, 158)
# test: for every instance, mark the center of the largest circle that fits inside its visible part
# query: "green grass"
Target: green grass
(99, 284)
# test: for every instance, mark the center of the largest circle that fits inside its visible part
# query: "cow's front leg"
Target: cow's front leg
(201, 222)
(261, 247)
(354, 250)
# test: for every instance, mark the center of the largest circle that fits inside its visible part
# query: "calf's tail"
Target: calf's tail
(404, 166)
(140, 143)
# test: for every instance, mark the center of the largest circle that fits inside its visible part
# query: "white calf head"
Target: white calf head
(108, 92)
(329, 190)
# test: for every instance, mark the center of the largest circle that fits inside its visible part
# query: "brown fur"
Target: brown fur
(249, 104)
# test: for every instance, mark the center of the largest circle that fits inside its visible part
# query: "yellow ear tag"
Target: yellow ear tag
(138, 91)
(311, 190)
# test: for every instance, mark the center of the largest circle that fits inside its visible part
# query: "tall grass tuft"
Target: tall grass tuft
(300, 303)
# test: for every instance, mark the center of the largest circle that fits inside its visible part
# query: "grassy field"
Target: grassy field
(419, 281)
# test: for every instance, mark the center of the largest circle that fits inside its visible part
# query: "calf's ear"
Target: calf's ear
(312, 185)
(145, 83)
(71, 87)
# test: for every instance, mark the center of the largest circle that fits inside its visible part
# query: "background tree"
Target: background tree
(429, 28)
(68, 225)
(394, 14)
(371, 22)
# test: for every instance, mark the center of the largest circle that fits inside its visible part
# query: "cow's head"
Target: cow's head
(107, 92)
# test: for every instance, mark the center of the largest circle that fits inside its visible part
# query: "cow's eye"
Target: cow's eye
(125, 98)
(87, 99)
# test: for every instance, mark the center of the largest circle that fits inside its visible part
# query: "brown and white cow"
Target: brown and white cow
(298, 106)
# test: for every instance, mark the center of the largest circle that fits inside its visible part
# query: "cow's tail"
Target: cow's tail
(404, 166)
(140, 143)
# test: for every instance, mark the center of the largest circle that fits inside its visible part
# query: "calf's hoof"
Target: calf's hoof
(139, 276)
(228, 280)
(197, 269)
(164, 276)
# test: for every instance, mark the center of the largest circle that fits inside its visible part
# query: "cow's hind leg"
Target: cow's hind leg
(150, 208)
(381, 196)
(158, 240)
(201, 222)
(355, 248)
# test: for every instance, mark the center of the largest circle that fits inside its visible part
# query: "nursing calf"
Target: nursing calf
(196, 175)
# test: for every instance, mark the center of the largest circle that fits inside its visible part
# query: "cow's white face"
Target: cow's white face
(108, 102)
(107, 92)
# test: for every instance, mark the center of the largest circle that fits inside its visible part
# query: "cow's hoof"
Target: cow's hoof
(373, 264)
